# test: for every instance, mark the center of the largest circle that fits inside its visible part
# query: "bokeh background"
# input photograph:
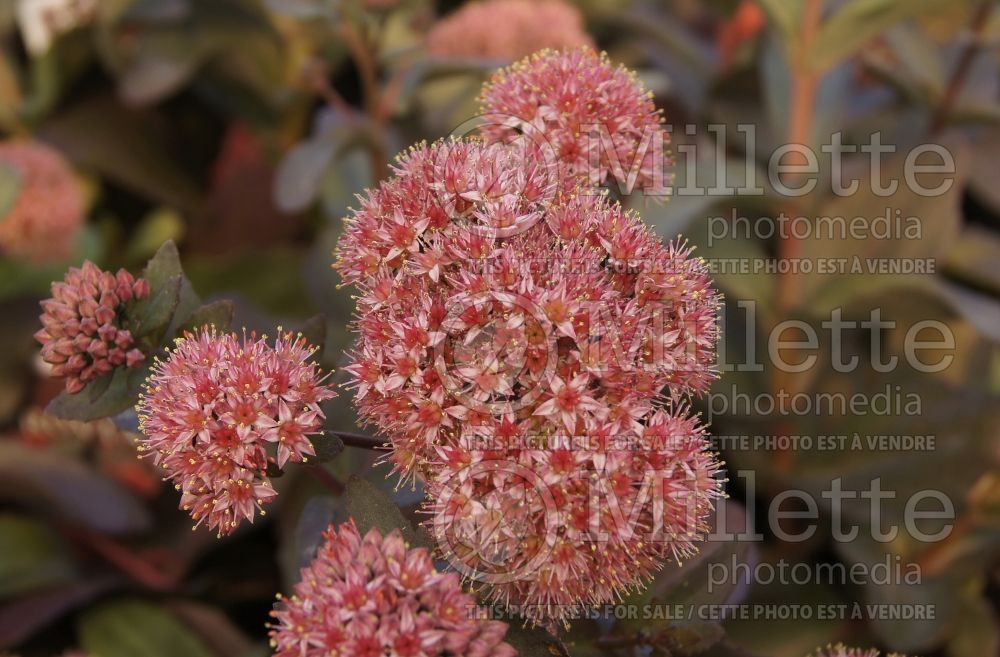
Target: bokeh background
(242, 129)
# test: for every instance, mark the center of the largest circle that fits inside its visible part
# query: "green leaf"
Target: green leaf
(904, 634)
(327, 446)
(857, 22)
(188, 302)
(171, 297)
(31, 556)
(214, 626)
(788, 636)
(300, 173)
(10, 186)
(30, 613)
(938, 219)
(134, 628)
(691, 638)
(164, 62)
(348, 175)
(271, 279)
(156, 51)
(124, 146)
(151, 316)
(318, 514)
(534, 642)
(304, 8)
(67, 488)
(915, 62)
(740, 285)
(157, 11)
(106, 396)
(438, 68)
(785, 16)
(164, 265)
(689, 583)
(156, 228)
(215, 313)
(372, 508)
(975, 632)
(975, 258)
(982, 179)
(980, 310)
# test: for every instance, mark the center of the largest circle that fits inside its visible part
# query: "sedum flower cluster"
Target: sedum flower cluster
(596, 119)
(221, 410)
(527, 346)
(82, 332)
(840, 650)
(372, 596)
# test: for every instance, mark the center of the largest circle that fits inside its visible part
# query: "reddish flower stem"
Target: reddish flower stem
(805, 83)
(124, 559)
(361, 441)
(326, 479)
(961, 72)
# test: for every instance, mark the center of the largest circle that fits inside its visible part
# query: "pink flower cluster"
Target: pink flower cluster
(371, 596)
(508, 29)
(82, 332)
(574, 522)
(596, 119)
(500, 321)
(221, 409)
(840, 650)
(44, 220)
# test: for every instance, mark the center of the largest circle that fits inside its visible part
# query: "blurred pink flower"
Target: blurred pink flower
(373, 596)
(507, 29)
(82, 335)
(596, 119)
(494, 311)
(47, 209)
(221, 409)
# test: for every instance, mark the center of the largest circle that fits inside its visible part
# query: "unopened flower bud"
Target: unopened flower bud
(104, 315)
(141, 288)
(134, 357)
(80, 335)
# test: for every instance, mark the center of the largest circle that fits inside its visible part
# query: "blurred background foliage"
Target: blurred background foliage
(242, 129)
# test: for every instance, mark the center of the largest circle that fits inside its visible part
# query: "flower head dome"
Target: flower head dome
(554, 521)
(82, 332)
(484, 298)
(493, 313)
(46, 211)
(508, 29)
(373, 596)
(221, 409)
(597, 119)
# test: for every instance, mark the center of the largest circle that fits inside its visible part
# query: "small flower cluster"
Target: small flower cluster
(493, 307)
(47, 212)
(597, 119)
(82, 332)
(216, 409)
(508, 29)
(840, 650)
(372, 596)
